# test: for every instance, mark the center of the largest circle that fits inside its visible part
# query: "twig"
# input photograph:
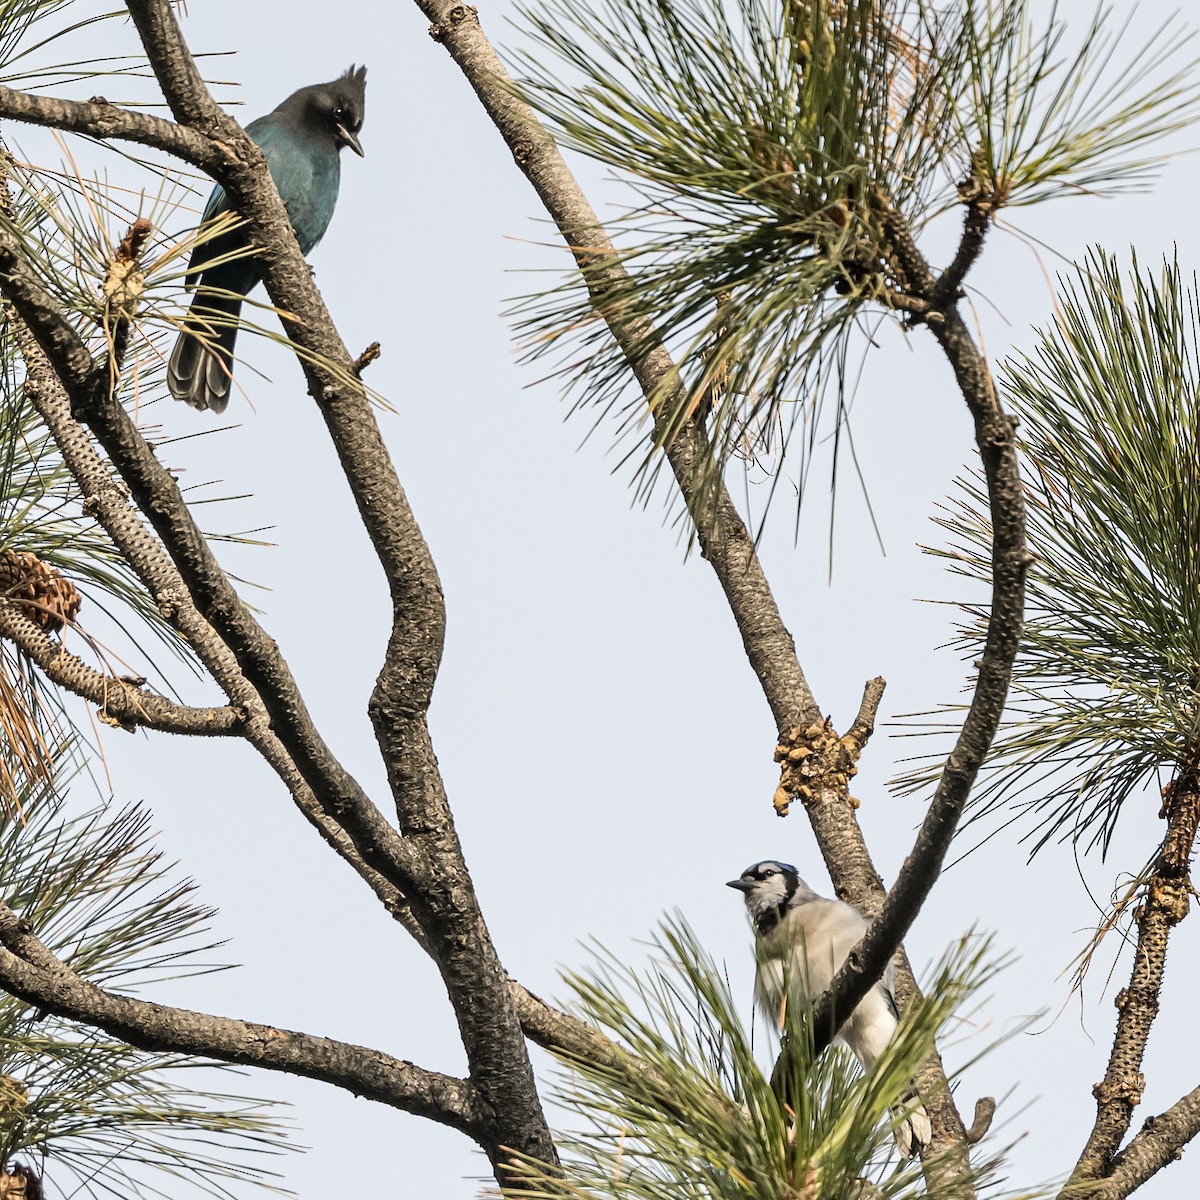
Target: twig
(365, 359)
(985, 1110)
(864, 723)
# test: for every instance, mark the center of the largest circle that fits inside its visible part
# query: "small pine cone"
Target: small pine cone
(49, 599)
(19, 1182)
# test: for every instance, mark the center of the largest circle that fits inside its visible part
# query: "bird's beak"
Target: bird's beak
(350, 140)
(742, 885)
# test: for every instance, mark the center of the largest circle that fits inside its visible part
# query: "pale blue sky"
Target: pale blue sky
(604, 743)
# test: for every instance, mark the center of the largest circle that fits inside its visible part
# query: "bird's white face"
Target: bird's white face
(766, 885)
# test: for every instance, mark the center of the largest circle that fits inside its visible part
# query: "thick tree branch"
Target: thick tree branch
(100, 119)
(439, 887)
(157, 494)
(1159, 1143)
(1165, 903)
(723, 536)
(724, 539)
(31, 972)
(121, 702)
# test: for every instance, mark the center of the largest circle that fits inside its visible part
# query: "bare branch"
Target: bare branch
(976, 223)
(864, 723)
(724, 539)
(1159, 1143)
(995, 437)
(98, 118)
(121, 703)
(1165, 903)
(158, 496)
(31, 972)
(436, 882)
(985, 1110)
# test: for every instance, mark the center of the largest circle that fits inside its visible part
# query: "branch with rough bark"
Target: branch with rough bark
(31, 972)
(1165, 902)
(1159, 1143)
(724, 540)
(121, 702)
(996, 439)
(99, 119)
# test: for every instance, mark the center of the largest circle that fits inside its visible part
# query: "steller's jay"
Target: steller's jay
(300, 141)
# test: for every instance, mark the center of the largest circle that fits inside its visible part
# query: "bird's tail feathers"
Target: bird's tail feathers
(913, 1131)
(200, 372)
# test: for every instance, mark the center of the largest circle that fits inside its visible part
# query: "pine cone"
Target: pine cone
(45, 595)
(20, 1182)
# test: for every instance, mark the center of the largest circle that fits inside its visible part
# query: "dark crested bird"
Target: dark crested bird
(301, 141)
(800, 942)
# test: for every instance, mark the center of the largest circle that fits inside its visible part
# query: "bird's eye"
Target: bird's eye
(769, 872)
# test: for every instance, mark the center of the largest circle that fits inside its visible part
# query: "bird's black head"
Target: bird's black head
(336, 108)
(768, 887)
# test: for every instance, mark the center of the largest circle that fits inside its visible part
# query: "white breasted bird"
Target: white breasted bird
(800, 942)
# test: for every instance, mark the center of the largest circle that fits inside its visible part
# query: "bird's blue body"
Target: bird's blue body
(301, 141)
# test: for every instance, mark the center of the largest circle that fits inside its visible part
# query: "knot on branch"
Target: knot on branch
(440, 30)
(40, 590)
(1170, 897)
(813, 761)
(816, 759)
(1125, 1091)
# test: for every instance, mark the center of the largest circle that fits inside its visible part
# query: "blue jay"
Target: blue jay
(300, 140)
(800, 942)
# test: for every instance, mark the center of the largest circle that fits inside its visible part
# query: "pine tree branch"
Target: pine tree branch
(31, 972)
(976, 223)
(723, 536)
(1158, 1144)
(440, 892)
(157, 495)
(1165, 903)
(107, 502)
(996, 439)
(121, 702)
(724, 539)
(100, 119)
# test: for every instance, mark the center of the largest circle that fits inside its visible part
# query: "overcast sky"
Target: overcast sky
(605, 745)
